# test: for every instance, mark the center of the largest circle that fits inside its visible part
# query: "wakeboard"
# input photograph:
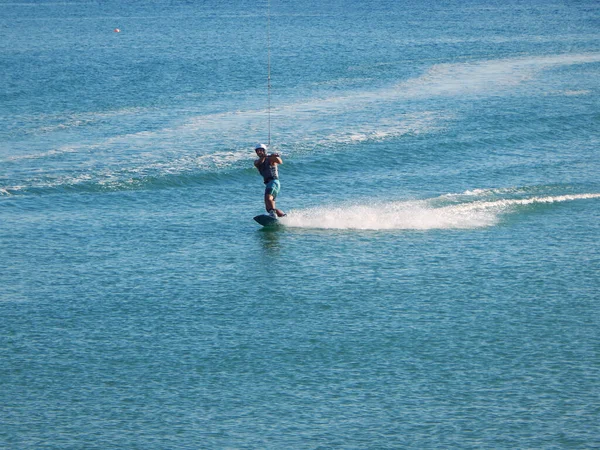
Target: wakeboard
(267, 221)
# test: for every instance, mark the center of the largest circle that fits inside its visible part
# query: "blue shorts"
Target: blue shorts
(273, 188)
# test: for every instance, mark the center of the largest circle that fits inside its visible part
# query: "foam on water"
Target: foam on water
(214, 141)
(487, 77)
(419, 215)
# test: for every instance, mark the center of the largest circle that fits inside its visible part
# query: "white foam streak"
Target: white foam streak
(417, 215)
(215, 140)
(302, 118)
(484, 76)
(394, 217)
(504, 204)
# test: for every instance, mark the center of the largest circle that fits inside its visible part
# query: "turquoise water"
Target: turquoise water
(436, 283)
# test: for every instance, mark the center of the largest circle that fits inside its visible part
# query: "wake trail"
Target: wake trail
(419, 214)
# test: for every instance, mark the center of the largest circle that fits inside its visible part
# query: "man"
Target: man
(267, 166)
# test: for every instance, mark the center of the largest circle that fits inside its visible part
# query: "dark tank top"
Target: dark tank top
(269, 172)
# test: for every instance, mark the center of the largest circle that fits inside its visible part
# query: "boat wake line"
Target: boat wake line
(428, 214)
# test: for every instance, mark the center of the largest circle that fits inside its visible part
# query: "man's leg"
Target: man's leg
(269, 202)
(270, 205)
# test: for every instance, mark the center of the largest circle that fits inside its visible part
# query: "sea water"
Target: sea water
(436, 284)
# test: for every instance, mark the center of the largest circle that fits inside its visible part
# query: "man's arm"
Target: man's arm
(275, 159)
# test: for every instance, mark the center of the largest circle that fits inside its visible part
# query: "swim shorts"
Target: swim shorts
(273, 188)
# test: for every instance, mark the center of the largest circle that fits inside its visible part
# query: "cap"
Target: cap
(260, 146)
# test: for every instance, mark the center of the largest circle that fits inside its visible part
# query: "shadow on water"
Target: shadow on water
(270, 240)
